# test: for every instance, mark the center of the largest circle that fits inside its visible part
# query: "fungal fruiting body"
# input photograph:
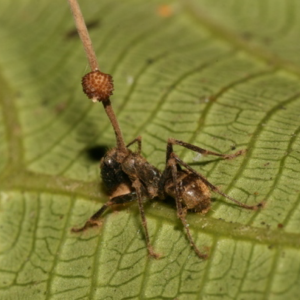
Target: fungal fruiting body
(98, 86)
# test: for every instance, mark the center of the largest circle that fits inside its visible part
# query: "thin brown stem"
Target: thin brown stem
(84, 35)
(114, 122)
(89, 50)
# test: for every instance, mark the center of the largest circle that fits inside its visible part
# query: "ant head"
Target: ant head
(97, 86)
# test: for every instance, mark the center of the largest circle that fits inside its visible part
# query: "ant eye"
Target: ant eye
(97, 86)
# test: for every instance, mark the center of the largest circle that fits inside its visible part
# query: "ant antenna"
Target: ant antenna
(96, 85)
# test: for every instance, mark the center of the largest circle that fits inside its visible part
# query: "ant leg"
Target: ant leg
(214, 188)
(204, 151)
(136, 140)
(181, 212)
(94, 219)
(137, 185)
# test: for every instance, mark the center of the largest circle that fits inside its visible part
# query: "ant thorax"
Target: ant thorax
(138, 168)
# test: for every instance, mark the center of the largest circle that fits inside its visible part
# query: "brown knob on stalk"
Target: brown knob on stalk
(98, 86)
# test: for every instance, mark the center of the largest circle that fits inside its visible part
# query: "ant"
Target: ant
(128, 176)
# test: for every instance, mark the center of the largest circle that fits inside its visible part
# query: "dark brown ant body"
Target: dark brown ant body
(128, 176)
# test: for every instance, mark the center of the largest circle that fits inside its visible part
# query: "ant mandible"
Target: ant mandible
(128, 176)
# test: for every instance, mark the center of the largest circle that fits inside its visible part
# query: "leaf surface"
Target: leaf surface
(220, 75)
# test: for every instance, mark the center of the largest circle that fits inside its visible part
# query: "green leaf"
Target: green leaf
(217, 74)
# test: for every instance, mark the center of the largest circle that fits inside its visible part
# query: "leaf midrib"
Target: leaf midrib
(90, 190)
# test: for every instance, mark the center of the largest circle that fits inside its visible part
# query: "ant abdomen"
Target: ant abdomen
(194, 194)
